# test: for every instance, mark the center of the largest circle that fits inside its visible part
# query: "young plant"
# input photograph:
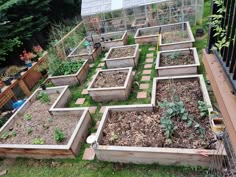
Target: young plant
(113, 137)
(5, 135)
(203, 108)
(174, 55)
(38, 141)
(59, 135)
(43, 97)
(28, 117)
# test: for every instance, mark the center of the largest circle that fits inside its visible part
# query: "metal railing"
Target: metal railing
(226, 55)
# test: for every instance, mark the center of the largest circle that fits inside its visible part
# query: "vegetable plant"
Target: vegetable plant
(59, 135)
(28, 117)
(43, 97)
(38, 141)
(174, 55)
(70, 67)
(203, 108)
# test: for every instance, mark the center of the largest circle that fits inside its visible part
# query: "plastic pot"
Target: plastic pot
(97, 45)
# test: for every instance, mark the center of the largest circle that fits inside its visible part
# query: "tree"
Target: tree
(19, 21)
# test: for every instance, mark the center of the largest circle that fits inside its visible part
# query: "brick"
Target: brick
(151, 49)
(142, 95)
(92, 109)
(147, 72)
(89, 154)
(149, 55)
(147, 66)
(143, 86)
(84, 92)
(149, 60)
(101, 65)
(145, 78)
(102, 109)
(91, 65)
(97, 124)
(80, 101)
(98, 69)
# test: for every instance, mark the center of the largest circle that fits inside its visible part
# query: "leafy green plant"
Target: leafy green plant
(28, 117)
(174, 55)
(67, 68)
(59, 135)
(43, 97)
(5, 135)
(113, 137)
(38, 141)
(203, 108)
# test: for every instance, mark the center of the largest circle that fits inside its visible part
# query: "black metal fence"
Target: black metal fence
(227, 54)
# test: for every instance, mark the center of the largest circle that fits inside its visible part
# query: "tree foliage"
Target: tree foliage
(19, 20)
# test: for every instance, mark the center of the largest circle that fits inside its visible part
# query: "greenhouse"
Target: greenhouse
(115, 15)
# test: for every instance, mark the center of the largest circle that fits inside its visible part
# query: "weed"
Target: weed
(28, 117)
(59, 135)
(43, 97)
(203, 108)
(38, 141)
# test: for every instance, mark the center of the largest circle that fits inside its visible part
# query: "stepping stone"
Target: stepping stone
(149, 60)
(98, 69)
(147, 66)
(146, 78)
(97, 124)
(101, 64)
(92, 109)
(133, 73)
(147, 72)
(149, 55)
(142, 95)
(80, 101)
(102, 109)
(151, 49)
(89, 154)
(84, 92)
(91, 65)
(143, 86)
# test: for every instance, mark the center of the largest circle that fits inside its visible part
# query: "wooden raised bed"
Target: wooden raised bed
(139, 23)
(166, 63)
(147, 35)
(176, 36)
(73, 142)
(127, 60)
(148, 153)
(81, 53)
(112, 93)
(71, 79)
(112, 39)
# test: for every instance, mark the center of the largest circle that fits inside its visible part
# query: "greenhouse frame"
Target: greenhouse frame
(102, 16)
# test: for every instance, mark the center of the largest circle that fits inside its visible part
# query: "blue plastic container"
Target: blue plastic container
(18, 104)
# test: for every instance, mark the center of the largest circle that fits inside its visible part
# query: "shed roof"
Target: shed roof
(92, 7)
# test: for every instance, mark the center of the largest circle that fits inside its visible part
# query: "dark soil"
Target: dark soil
(42, 124)
(176, 58)
(175, 36)
(110, 79)
(122, 52)
(143, 129)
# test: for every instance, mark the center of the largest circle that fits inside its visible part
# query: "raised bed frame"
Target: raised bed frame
(129, 61)
(112, 93)
(136, 24)
(70, 150)
(71, 79)
(147, 39)
(149, 155)
(176, 45)
(177, 69)
(106, 45)
(84, 55)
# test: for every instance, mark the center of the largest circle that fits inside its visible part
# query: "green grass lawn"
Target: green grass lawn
(77, 167)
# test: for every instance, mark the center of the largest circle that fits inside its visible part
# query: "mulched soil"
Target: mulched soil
(42, 123)
(175, 36)
(143, 129)
(176, 59)
(110, 79)
(122, 52)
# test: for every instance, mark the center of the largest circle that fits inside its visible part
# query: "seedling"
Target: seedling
(174, 55)
(203, 108)
(28, 117)
(38, 141)
(113, 137)
(5, 135)
(43, 97)
(59, 135)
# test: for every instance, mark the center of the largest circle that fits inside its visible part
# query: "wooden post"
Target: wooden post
(24, 88)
